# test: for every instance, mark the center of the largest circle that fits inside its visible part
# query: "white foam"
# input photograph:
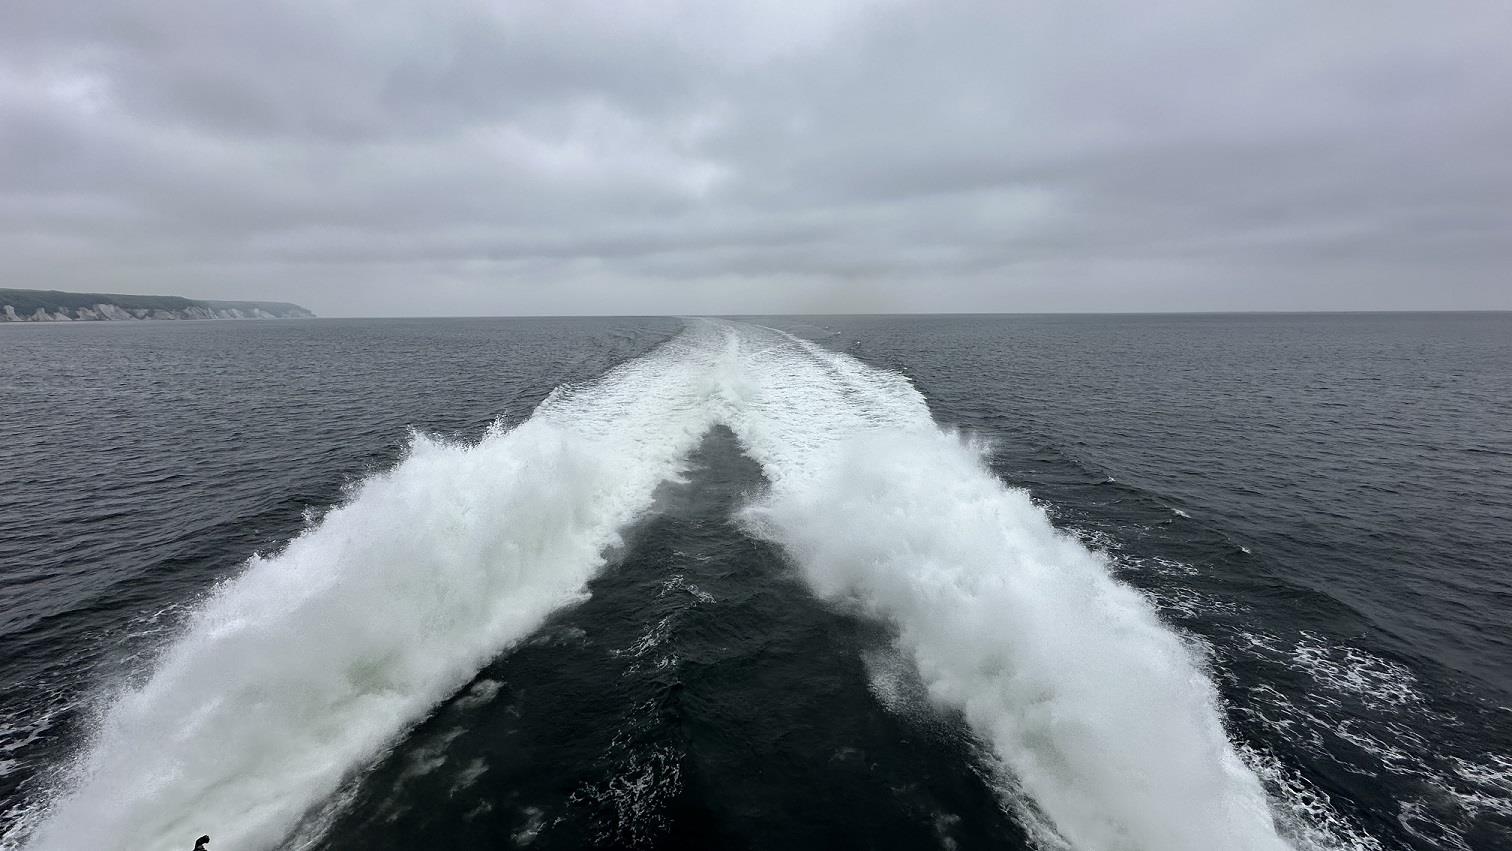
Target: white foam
(1312, 823)
(1377, 682)
(304, 666)
(896, 685)
(469, 775)
(481, 693)
(1491, 781)
(631, 803)
(644, 646)
(1099, 710)
(1454, 791)
(535, 821)
(307, 665)
(679, 582)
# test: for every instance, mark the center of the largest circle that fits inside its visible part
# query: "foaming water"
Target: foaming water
(1099, 710)
(306, 665)
(1103, 727)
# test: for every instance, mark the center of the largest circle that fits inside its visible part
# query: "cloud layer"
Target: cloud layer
(470, 157)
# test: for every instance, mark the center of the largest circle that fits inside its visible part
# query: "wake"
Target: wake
(1097, 709)
(309, 664)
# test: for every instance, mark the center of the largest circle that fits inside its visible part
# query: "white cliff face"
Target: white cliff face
(109, 312)
(112, 311)
(41, 315)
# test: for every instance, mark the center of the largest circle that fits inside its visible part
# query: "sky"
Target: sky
(504, 157)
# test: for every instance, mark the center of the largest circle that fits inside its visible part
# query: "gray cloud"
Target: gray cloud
(465, 157)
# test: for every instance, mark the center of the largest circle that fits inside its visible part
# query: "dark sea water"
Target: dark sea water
(729, 588)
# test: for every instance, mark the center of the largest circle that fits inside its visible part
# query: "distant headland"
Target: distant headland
(55, 306)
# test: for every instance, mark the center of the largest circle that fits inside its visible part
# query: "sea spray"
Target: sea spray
(307, 664)
(1098, 709)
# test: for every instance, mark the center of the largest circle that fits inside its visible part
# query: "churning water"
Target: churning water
(1102, 584)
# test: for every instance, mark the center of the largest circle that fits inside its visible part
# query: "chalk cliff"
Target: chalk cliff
(56, 306)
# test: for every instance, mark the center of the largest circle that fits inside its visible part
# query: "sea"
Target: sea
(1108, 583)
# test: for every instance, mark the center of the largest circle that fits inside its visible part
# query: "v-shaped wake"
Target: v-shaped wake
(305, 666)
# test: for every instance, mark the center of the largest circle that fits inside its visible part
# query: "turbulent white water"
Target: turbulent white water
(1097, 708)
(309, 663)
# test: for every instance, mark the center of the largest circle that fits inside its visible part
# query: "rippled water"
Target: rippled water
(1318, 505)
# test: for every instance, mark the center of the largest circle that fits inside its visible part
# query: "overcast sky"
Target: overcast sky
(489, 157)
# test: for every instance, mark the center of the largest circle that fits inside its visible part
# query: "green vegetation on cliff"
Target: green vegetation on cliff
(27, 301)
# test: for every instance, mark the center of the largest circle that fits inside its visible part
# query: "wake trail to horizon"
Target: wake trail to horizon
(1093, 705)
(306, 666)
(311, 661)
